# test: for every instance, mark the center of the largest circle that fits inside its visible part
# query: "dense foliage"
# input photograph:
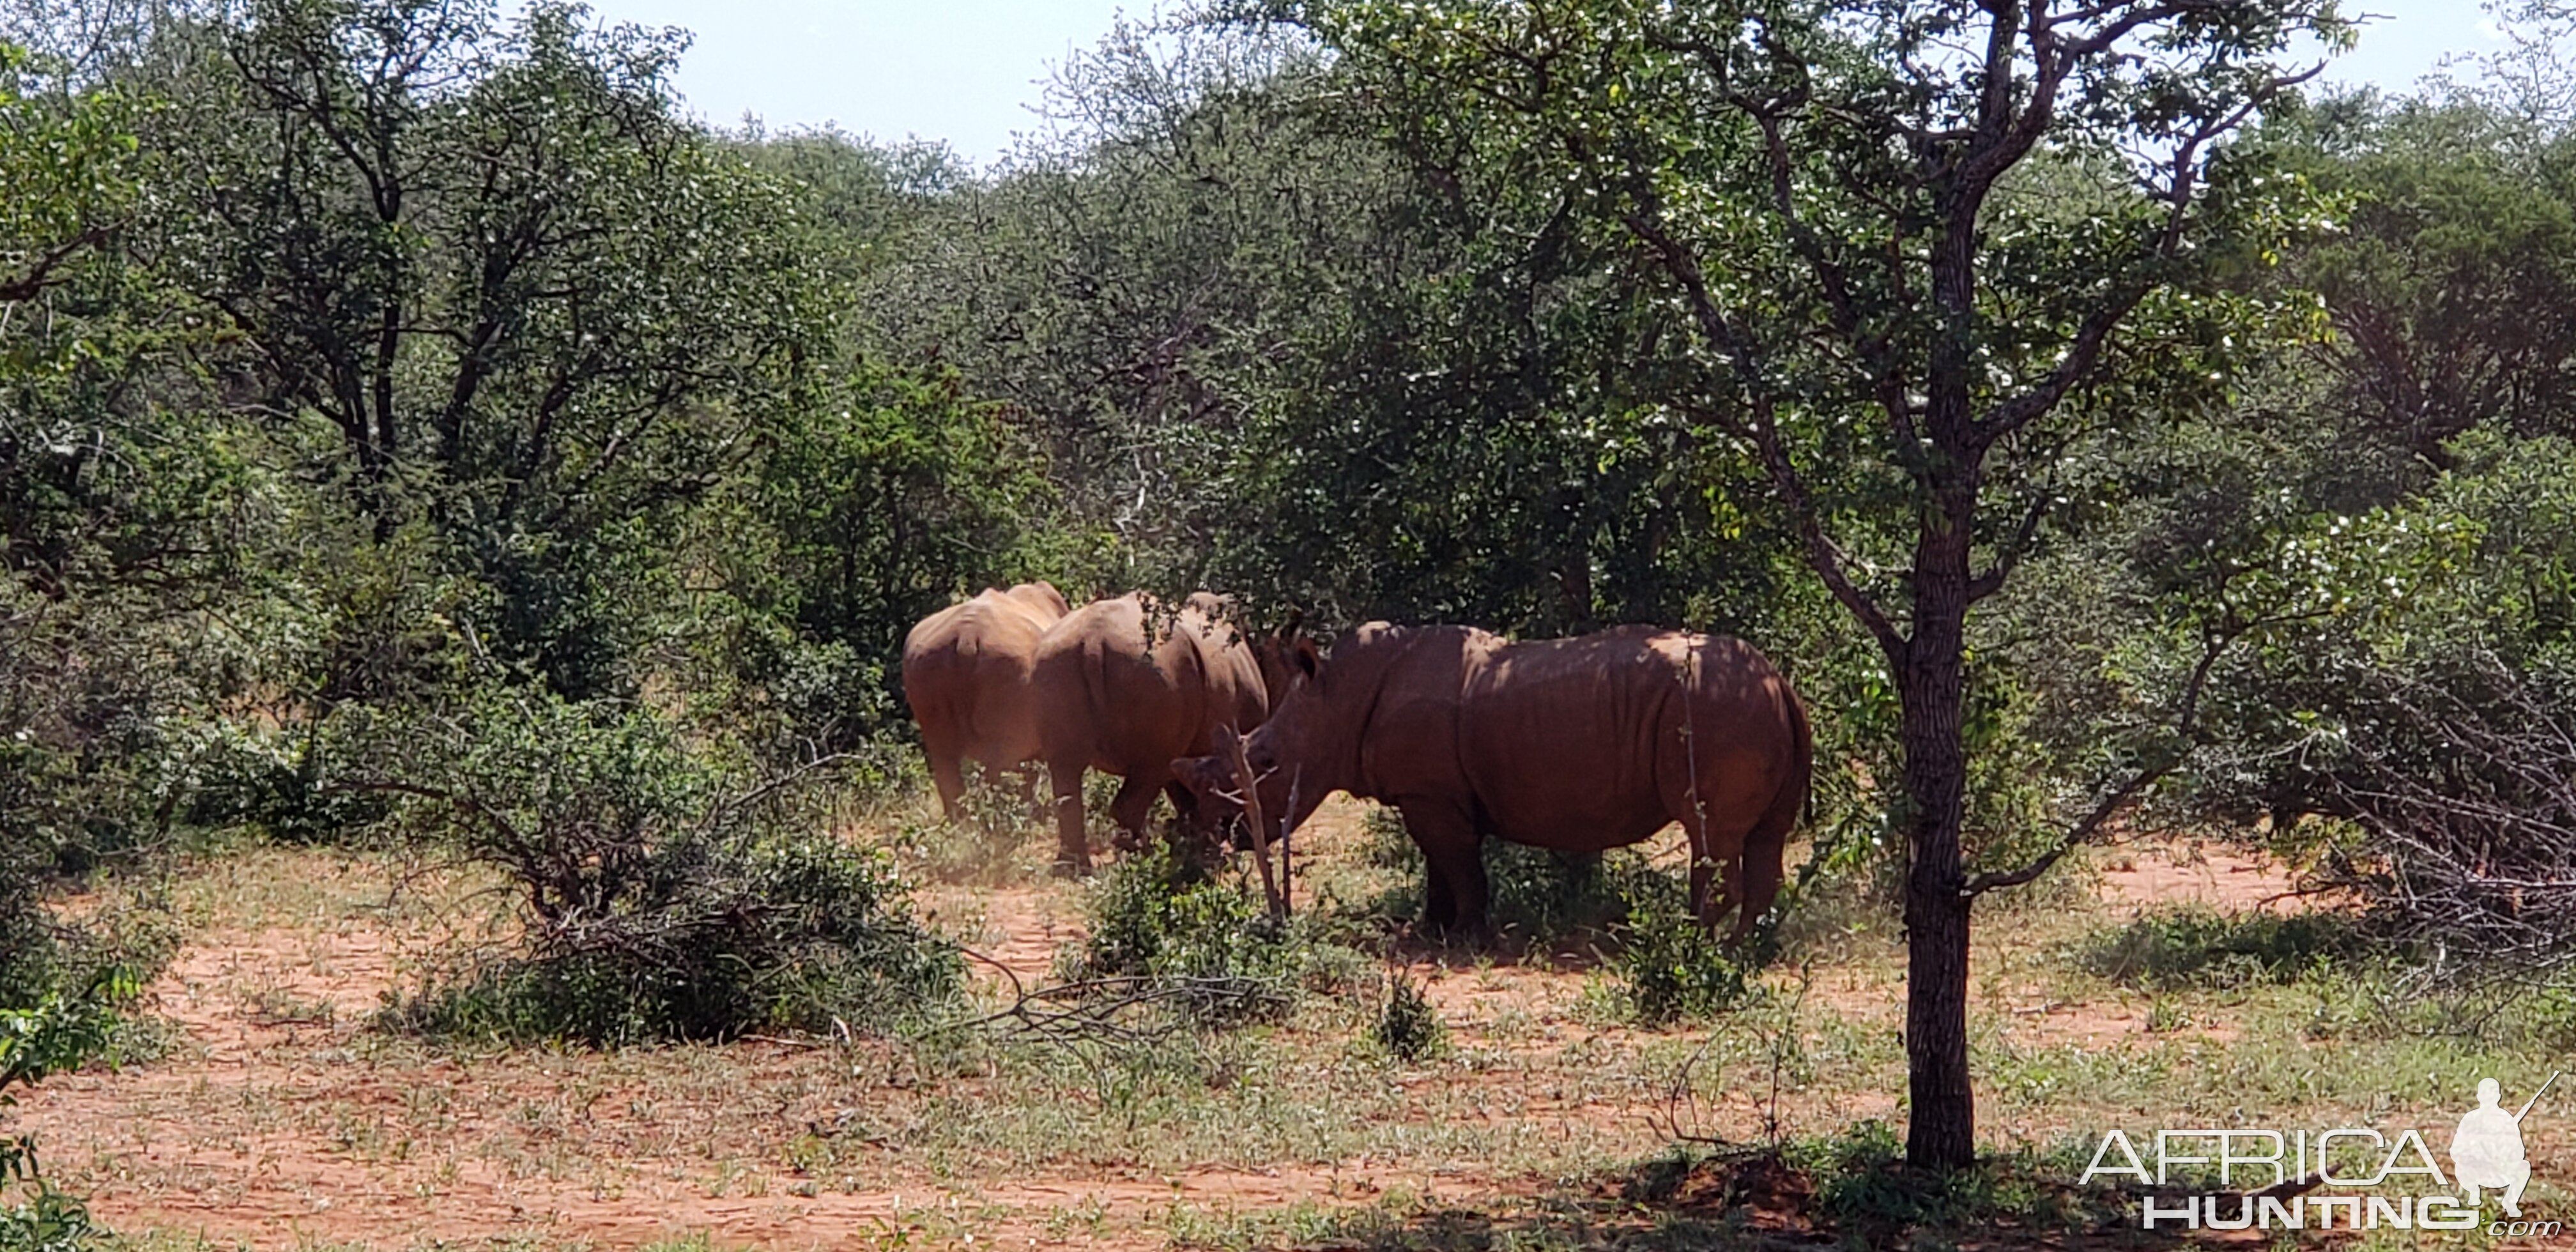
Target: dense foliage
(413, 425)
(59, 1031)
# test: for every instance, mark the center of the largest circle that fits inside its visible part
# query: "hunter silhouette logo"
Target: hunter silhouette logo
(2486, 1151)
(2265, 1178)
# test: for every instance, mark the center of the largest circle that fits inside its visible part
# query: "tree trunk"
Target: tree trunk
(1942, 1128)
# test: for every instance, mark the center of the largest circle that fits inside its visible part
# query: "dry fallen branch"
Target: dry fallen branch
(1105, 1010)
(2466, 782)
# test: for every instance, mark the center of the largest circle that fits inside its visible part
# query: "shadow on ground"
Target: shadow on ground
(1766, 1201)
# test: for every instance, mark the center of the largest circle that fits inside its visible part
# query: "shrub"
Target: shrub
(1534, 894)
(1387, 846)
(1667, 962)
(1867, 1192)
(662, 895)
(42, 957)
(2201, 947)
(233, 775)
(60, 1032)
(772, 931)
(1547, 896)
(1157, 919)
(984, 849)
(1408, 1027)
(2412, 745)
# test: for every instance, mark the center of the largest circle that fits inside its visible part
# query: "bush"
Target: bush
(44, 959)
(993, 843)
(1547, 895)
(1387, 846)
(236, 776)
(2201, 947)
(663, 896)
(776, 931)
(1867, 1192)
(1157, 919)
(1667, 962)
(1408, 1027)
(1536, 895)
(2411, 745)
(60, 1032)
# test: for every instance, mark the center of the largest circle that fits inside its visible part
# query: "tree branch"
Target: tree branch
(39, 273)
(2118, 798)
(1822, 554)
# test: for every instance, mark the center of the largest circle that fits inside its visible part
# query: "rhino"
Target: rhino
(1578, 745)
(966, 677)
(1128, 685)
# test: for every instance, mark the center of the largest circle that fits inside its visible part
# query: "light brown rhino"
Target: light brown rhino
(1126, 686)
(966, 676)
(1574, 744)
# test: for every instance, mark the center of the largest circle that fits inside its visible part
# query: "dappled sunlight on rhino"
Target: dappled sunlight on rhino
(1127, 685)
(1575, 744)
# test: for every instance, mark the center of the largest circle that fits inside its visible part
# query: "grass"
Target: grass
(2201, 947)
(1527, 1129)
(1001, 838)
(1848, 1191)
(169, 1241)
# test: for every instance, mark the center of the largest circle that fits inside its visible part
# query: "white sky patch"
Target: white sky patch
(970, 71)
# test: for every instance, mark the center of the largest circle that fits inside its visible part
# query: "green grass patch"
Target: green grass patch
(2200, 947)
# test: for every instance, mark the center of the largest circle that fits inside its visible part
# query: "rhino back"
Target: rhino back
(1039, 600)
(966, 672)
(1396, 690)
(1566, 742)
(1587, 743)
(1220, 676)
(1105, 693)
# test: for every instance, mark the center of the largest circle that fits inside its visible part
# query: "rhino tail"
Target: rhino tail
(1800, 790)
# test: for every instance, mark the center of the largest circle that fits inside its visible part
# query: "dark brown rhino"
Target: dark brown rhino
(1125, 686)
(966, 676)
(1574, 744)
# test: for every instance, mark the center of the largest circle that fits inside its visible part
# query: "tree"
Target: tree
(1142, 282)
(883, 505)
(2450, 287)
(113, 495)
(535, 310)
(1235, 310)
(1932, 252)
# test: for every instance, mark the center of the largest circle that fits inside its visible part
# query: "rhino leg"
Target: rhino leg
(947, 772)
(1439, 902)
(1454, 890)
(1713, 895)
(1135, 801)
(1761, 869)
(1072, 845)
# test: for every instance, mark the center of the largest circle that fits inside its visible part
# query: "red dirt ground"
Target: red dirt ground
(278, 1119)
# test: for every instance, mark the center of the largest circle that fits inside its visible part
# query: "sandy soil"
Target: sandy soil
(2167, 875)
(279, 1119)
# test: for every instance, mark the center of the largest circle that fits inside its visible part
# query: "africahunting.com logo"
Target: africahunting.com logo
(2282, 1171)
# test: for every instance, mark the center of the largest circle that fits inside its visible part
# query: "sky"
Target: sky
(968, 71)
